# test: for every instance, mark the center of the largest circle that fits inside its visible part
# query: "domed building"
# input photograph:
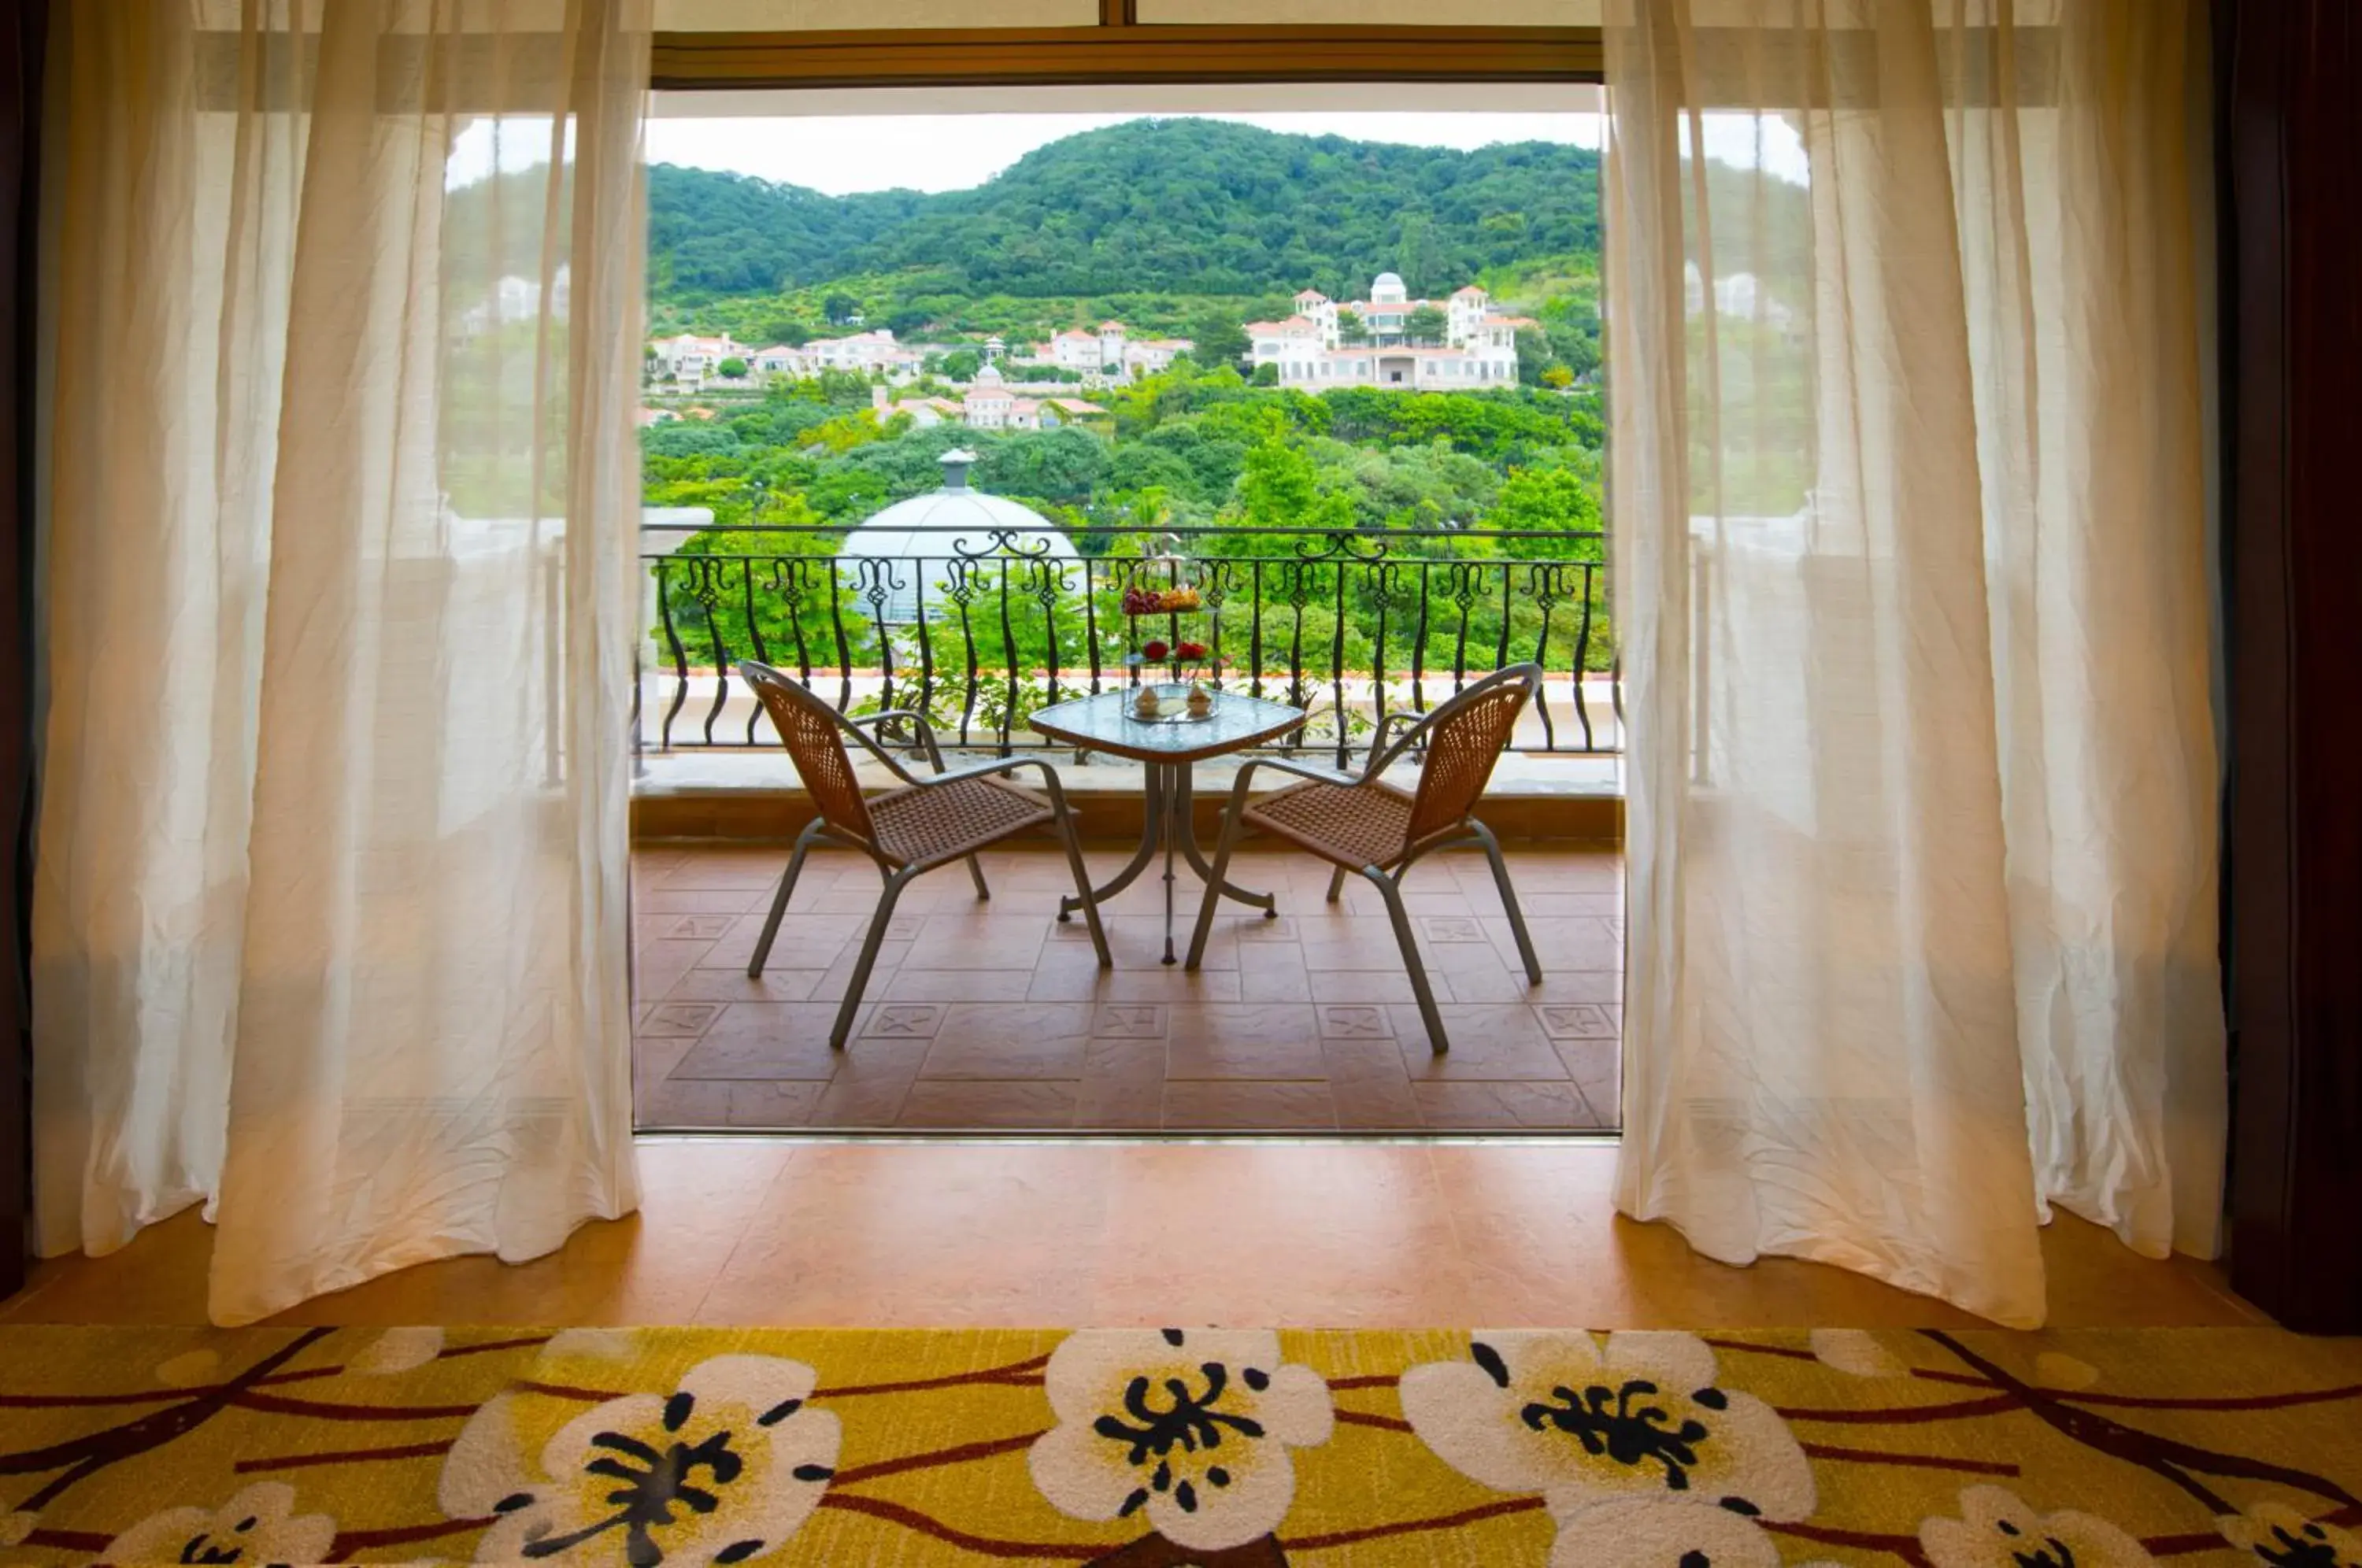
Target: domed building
(914, 542)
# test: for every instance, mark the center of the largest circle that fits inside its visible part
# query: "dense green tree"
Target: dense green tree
(1265, 376)
(731, 369)
(1214, 461)
(1418, 253)
(1427, 324)
(1138, 465)
(960, 365)
(1534, 356)
(1188, 205)
(1545, 500)
(1351, 328)
(1279, 484)
(840, 307)
(1060, 465)
(1217, 339)
(687, 439)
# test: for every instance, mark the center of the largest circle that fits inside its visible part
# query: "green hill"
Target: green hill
(1191, 207)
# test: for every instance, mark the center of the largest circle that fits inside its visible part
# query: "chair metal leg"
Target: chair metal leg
(976, 875)
(1510, 901)
(1065, 825)
(779, 903)
(1336, 884)
(1408, 943)
(895, 882)
(1221, 868)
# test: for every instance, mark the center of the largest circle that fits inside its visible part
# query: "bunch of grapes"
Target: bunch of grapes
(1138, 600)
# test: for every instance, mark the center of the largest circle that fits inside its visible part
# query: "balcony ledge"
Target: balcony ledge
(754, 795)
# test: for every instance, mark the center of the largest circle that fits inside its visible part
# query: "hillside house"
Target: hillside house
(865, 352)
(691, 358)
(1111, 351)
(990, 404)
(1310, 351)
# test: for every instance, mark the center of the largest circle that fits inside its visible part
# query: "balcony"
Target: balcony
(992, 1015)
(1349, 627)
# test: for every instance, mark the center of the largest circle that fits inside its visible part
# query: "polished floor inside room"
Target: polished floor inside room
(992, 1014)
(755, 1230)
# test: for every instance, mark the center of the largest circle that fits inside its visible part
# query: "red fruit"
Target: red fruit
(1191, 650)
(1154, 651)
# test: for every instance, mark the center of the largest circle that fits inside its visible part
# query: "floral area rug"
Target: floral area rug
(1138, 1448)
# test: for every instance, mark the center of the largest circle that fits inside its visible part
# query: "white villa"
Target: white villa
(1092, 353)
(1479, 346)
(693, 360)
(990, 404)
(864, 352)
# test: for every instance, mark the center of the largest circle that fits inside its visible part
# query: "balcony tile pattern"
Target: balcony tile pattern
(993, 1015)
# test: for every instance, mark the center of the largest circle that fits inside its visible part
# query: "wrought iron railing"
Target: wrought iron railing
(1349, 626)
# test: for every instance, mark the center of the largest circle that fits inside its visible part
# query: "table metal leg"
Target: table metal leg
(1169, 822)
(1187, 824)
(1152, 822)
(1176, 797)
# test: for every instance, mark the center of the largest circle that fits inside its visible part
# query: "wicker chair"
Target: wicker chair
(927, 822)
(1364, 826)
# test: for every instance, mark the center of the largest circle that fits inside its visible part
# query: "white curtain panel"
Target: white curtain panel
(1904, 325)
(329, 917)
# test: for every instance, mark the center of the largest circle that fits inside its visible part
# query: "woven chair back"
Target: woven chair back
(812, 734)
(1464, 738)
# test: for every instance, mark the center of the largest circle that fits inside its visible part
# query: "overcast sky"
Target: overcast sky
(839, 154)
(954, 152)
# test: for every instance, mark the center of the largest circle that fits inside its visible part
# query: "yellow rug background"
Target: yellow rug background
(936, 1427)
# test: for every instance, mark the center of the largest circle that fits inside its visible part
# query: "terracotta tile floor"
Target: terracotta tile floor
(992, 1015)
(753, 1230)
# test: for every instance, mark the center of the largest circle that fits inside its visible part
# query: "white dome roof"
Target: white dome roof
(1388, 280)
(891, 535)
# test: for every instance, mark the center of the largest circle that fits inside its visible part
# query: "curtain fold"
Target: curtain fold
(1909, 525)
(329, 912)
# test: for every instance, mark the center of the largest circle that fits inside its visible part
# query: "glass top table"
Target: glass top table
(1168, 749)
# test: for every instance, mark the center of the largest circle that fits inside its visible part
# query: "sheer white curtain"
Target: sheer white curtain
(329, 905)
(1909, 515)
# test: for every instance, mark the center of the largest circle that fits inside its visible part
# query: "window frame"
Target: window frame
(1119, 49)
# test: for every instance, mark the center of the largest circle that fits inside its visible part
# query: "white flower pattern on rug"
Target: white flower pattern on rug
(725, 1468)
(1190, 1428)
(1997, 1530)
(1648, 1532)
(2275, 1533)
(259, 1525)
(1593, 1428)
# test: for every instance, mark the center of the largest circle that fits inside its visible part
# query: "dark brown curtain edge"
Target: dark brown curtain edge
(22, 47)
(2288, 97)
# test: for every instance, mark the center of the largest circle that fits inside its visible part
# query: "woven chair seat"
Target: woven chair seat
(1366, 824)
(943, 821)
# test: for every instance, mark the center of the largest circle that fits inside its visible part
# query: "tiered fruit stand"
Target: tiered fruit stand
(1184, 699)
